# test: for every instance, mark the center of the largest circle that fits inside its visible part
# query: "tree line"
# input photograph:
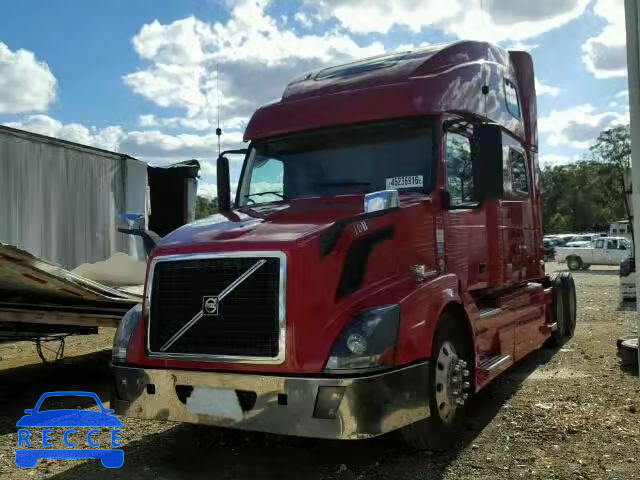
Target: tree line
(587, 195)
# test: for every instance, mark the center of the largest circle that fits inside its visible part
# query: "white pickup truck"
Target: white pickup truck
(603, 251)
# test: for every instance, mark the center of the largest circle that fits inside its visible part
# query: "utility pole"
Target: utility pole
(633, 64)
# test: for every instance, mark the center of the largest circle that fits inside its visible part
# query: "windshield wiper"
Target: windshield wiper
(249, 195)
(345, 183)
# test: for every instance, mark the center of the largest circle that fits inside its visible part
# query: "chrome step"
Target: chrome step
(497, 364)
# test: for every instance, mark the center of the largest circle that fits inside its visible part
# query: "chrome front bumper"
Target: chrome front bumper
(337, 408)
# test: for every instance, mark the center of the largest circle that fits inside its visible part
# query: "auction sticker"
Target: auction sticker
(408, 181)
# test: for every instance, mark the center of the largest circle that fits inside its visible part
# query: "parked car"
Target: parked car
(582, 239)
(563, 238)
(549, 245)
(604, 251)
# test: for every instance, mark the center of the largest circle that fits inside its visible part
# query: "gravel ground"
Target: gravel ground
(570, 413)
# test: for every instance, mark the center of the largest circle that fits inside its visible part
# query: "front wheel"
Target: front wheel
(574, 263)
(450, 385)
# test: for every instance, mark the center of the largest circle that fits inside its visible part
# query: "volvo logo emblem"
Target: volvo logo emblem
(210, 305)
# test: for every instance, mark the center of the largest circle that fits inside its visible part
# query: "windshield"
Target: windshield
(351, 160)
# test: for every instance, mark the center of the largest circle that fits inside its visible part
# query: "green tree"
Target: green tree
(589, 194)
(206, 207)
(584, 196)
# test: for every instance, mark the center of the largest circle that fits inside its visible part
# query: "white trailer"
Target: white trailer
(62, 258)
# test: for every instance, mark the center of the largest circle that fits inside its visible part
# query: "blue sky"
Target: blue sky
(140, 77)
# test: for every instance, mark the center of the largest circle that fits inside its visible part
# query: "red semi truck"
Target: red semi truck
(381, 264)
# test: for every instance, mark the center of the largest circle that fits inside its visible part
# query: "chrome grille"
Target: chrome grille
(227, 307)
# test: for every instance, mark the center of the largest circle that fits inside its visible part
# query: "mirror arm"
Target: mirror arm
(239, 151)
(150, 239)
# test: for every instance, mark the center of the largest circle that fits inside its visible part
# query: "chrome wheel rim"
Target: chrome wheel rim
(451, 382)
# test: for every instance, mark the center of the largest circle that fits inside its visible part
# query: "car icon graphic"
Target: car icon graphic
(68, 419)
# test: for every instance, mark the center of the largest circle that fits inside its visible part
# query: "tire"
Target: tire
(445, 423)
(622, 339)
(568, 289)
(629, 353)
(574, 263)
(558, 314)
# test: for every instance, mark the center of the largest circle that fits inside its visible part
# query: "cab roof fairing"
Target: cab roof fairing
(431, 81)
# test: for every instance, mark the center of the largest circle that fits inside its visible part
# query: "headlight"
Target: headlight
(125, 329)
(368, 343)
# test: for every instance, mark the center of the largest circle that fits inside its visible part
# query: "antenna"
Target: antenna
(218, 129)
(485, 88)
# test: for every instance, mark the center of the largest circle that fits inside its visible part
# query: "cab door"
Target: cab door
(465, 232)
(516, 220)
(466, 239)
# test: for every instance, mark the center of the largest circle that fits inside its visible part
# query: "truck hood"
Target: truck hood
(287, 221)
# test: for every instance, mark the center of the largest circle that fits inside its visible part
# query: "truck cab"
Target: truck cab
(381, 261)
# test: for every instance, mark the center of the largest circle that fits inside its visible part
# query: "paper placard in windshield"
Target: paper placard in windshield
(408, 181)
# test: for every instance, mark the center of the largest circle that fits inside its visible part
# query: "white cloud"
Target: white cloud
(208, 190)
(26, 84)
(303, 19)
(108, 138)
(153, 146)
(156, 144)
(520, 46)
(544, 89)
(500, 20)
(605, 54)
(578, 126)
(255, 56)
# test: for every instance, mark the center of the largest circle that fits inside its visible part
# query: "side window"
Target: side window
(519, 181)
(600, 244)
(266, 181)
(511, 98)
(612, 244)
(459, 170)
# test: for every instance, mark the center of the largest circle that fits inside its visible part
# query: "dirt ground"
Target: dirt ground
(569, 413)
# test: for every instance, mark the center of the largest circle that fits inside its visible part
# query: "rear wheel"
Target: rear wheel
(568, 288)
(564, 308)
(558, 313)
(450, 385)
(628, 352)
(574, 263)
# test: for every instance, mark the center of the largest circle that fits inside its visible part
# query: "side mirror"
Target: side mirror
(134, 224)
(488, 167)
(224, 184)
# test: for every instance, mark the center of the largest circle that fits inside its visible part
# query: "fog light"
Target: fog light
(328, 402)
(129, 386)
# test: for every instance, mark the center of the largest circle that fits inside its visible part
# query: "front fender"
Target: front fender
(421, 310)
